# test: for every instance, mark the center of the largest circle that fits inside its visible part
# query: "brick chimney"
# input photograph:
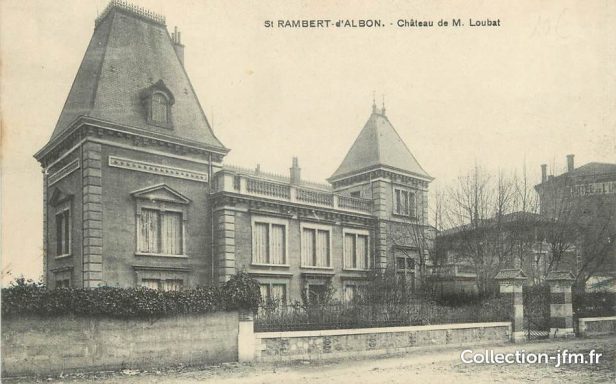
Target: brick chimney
(544, 173)
(570, 163)
(176, 38)
(295, 171)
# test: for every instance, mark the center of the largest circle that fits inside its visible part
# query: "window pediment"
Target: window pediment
(58, 196)
(161, 192)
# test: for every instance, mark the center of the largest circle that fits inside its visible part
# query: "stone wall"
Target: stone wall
(597, 326)
(32, 346)
(328, 344)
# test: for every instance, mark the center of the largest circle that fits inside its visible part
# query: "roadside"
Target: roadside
(426, 366)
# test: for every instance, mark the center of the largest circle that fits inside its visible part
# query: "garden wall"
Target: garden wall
(32, 345)
(326, 344)
(597, 326)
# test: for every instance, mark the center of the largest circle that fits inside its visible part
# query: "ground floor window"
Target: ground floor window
(163, 285)
(64, 283)
(273, 292)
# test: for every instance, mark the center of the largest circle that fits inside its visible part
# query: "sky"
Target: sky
(539, 87)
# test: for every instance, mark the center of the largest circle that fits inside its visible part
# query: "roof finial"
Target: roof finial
(383, 110)
(373, 101)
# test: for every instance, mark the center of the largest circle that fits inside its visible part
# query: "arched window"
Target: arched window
(160, 107)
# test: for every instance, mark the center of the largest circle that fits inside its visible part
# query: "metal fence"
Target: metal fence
(356, 315)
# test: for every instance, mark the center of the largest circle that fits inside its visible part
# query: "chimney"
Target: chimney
(570, 164)
(295, 172)
(176, 38)
(544, 173)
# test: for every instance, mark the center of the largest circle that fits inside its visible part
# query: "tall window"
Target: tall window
(160, 107)
(269, 243)
(316, 247)
(63, 233)
(160, 232)
(356, 250)
(404, 202)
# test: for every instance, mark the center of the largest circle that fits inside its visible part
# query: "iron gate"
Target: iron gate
(537, 311)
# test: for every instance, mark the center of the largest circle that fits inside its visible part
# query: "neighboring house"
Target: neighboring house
(585, 197)
(136, 193)
(467, 257)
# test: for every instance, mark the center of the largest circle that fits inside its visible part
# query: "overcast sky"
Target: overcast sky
(539, 87)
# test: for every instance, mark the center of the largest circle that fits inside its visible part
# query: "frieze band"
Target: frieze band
(142, 166)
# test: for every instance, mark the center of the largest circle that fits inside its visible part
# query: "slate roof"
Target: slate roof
(594, 169)
(127, 54)
(379, 146)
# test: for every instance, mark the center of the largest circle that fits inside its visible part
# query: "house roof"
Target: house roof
(379, 146)
(593, 169)
(520, 217)
(129, 52)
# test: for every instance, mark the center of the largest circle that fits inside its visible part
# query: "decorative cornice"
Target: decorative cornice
(87, 126)
(63, 172)
(157, 169)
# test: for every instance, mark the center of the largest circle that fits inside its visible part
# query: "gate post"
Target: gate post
(246, 337)
(561, 308)
(511, 282)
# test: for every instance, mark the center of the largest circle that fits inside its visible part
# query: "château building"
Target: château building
(136, 192)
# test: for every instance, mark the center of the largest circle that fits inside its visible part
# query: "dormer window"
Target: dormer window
(158, 100)
(160, 107)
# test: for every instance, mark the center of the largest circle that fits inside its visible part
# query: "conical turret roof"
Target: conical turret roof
(379, 146)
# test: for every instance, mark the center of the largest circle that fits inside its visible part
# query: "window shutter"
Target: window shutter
(322, 249)
(171, 233)
(260, 243)
(278, 244)
(149, 231)
(308, 246)
(362, 252)
(349, 250)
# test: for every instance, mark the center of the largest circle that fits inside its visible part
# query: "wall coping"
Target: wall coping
(591, 319)
(358, 331)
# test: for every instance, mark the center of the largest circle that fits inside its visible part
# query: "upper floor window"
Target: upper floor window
(63, 232)
(316, 246)
(157, 100)
(269, 241)
(356, 249)
(404, 202)
(161, 232)
(161, 220)
(160, 107)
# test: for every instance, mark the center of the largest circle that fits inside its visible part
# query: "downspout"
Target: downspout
(211, 217)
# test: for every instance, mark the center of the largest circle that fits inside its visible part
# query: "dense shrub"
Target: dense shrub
(594, 304)
(27, 297)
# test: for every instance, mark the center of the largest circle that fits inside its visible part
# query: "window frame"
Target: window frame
(356, 233)
(161, 283)
(167, 105)
(411, 202)
(269, 221)
(270, 284)
(161, 207)
(65, 211)
(316, 228)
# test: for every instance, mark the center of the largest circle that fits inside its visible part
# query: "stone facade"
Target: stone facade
(136, 193)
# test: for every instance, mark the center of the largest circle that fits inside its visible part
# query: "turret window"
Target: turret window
(404, 203)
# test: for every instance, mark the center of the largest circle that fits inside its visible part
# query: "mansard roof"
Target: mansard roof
(130, 53)
(379, 146)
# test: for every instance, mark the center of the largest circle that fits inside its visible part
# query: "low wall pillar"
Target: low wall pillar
(511, 283)
(246, 337)
(561, 307)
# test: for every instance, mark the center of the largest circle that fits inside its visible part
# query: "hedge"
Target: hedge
(30, 298)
